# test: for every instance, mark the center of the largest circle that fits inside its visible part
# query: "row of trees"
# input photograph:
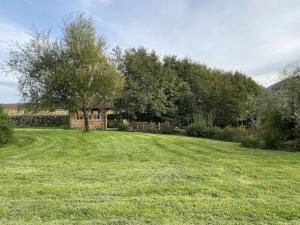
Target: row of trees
(172, 89)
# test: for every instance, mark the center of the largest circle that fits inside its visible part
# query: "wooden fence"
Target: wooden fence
(138, 125)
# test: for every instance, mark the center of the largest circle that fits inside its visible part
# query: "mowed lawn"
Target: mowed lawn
(56, 176)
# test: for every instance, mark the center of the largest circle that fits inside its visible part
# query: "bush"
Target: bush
(273, 138)
(275, 129)
(6, 127)
(250, 142)
(122, 127)
(297, 141)
(198, 130)
(291, 145)
(151, 128)
(166, 128)
(179, 131)
(235, 134)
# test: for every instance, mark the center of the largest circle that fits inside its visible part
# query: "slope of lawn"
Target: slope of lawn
(56, 176)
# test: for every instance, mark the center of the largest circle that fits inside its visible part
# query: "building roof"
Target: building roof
(104, 106)
(12, 106)
(18, 106)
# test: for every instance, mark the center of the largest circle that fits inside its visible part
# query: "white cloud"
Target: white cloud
(255, 37)
(92, 5)
(8, 94)
(9, 35)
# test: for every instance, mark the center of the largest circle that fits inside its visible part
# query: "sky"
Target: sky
(256, 37)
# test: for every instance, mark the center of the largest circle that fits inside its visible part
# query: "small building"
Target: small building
(97, 117)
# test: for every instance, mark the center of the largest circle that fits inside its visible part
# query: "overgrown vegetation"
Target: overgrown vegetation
(277, 113)
(6, 127)
(172, 90)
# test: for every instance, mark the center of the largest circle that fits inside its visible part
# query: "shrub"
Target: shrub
(291, 145)
(273, 138)
(151, 128)
(179, 131)
(235, 134)
(275, 129)
(198, 130)
(113, 123)
(122, 127)
(297, 141)
(6, 127)
(250, 142)
(166, 128)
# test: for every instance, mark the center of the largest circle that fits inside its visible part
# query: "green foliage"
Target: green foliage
(276, 118)
(202, 119)
(272, 138)
(202, 126)
(6, 127)
(251, 142)
(167, 128)
(198, 130)
(151, 128)
(297, 141)
(275, 129)
(152, 91)
(221, 94)
(122, 126)
(175, 89)
(72, 72)
(235, 134)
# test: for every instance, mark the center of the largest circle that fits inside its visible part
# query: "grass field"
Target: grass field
(56, 176)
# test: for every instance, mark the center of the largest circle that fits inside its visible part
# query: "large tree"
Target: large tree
(152, 91)
(214, 92)
(72, 72)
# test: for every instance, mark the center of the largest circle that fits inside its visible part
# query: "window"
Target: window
(79, 115)
(95, 115)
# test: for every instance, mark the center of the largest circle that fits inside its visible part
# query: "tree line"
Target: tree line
(168, 88)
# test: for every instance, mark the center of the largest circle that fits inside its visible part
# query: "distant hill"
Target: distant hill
(276, 86)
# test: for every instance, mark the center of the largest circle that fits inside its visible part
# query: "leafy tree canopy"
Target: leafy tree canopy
(72, 72)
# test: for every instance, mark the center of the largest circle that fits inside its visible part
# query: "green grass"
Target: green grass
(56, 176)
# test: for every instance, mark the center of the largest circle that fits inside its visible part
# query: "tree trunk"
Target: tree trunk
(86, 120)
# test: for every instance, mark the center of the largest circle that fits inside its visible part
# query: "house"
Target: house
(97, 117)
